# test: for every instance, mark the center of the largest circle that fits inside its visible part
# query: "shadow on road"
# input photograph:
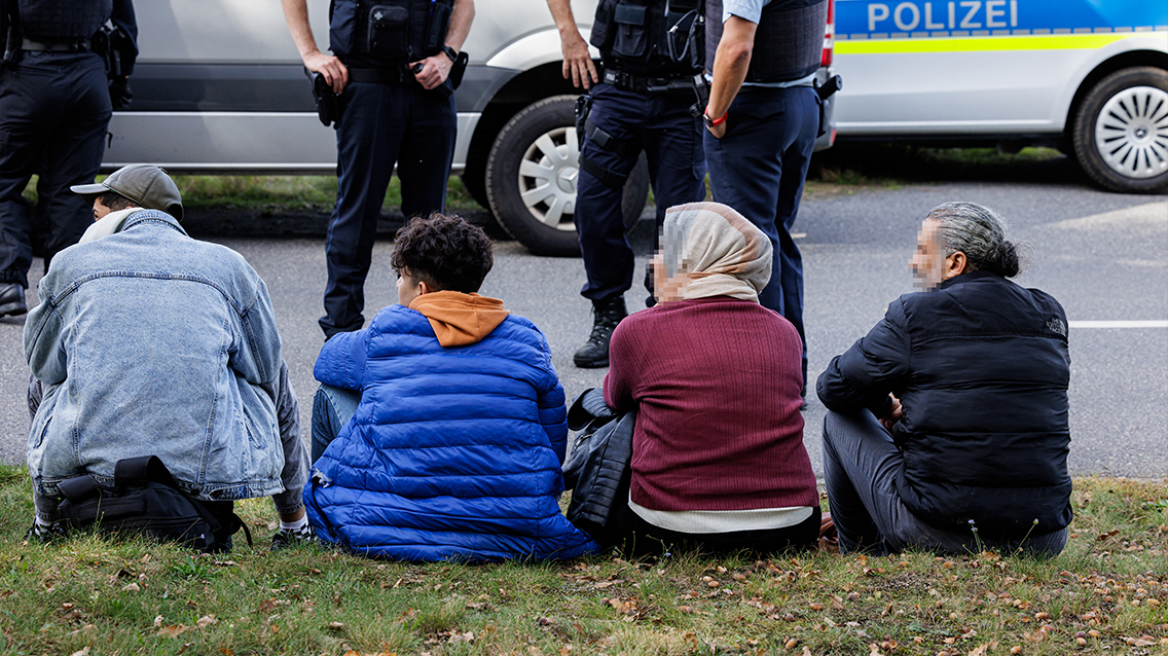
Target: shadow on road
(884, 164)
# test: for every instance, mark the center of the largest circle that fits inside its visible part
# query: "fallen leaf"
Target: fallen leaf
(206, 621)
(82, 652)
(172, 631)
(336, 626)
(132, 587)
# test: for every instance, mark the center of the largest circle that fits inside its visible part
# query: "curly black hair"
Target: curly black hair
(445, 252)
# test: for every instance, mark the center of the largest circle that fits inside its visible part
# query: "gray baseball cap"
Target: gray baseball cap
(145, 184)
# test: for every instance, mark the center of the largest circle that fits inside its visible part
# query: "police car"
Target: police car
(1089, 77)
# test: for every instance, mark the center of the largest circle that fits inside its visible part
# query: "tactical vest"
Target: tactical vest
(388, 32)
(788, 44)
(659, 38)
(63, 20)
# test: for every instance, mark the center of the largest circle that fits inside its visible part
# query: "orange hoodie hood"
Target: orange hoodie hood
(460, 319)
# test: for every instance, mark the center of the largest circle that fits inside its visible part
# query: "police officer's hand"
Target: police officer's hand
(578, 65)
(330, 67)
(434, 70)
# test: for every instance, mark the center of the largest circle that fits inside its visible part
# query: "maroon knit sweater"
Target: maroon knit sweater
(715, 383)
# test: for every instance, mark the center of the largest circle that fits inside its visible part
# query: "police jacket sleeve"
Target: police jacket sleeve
(341, 362)
(123, 17)
(864, 375)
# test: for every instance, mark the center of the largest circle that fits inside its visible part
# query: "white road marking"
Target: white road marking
(1119, 324)
(1149, 216)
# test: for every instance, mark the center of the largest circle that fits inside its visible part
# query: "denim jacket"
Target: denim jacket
(150, 342)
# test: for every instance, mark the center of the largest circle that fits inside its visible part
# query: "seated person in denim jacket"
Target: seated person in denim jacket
(148, 342)
(440, 428)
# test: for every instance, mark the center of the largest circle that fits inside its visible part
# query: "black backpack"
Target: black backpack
(144, 500)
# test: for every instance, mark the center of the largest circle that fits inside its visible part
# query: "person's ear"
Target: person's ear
(423, 288)
(956, 264)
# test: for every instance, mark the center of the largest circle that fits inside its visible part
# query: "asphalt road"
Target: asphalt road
(1103, 255)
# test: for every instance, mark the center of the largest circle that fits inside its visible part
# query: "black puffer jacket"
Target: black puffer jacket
(981, 368)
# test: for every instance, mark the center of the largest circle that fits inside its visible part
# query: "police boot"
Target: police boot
(12, 300)
(606, 314)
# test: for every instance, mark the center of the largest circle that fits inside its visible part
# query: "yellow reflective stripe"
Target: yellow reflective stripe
(981, 44)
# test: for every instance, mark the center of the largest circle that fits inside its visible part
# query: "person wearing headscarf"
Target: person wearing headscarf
(718, 458)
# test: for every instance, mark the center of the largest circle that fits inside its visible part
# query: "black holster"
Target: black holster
(116, 48)
(582, 110)
(327, 107)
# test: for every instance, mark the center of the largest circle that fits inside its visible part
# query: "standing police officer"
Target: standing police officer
(54, 110)
(762, 120)
(390, 69)
(651, 49)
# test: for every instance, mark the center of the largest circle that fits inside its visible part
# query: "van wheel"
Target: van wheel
(532, 173)
(1121, 131)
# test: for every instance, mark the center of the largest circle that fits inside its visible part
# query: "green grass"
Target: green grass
(847, 168)
(131, 597)
(844, 169)
(277, 194)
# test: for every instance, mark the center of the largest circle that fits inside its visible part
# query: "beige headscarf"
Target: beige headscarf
(708, 249)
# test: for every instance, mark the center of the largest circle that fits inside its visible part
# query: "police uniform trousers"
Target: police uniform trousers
(758, 168)
(662, 126)
(54, 111)
(381, 125)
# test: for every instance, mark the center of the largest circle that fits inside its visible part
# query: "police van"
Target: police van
(219, 88)
(1089, 77)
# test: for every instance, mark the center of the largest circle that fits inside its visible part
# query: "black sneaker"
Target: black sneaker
(606, 315)
(45, 534)
(289, 539)
(12, 300)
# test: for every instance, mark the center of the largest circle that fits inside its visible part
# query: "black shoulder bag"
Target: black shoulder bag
(598, 470)
(144, 500)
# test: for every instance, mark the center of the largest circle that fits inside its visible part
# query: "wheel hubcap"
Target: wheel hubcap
(547, 178)
(1131, 133)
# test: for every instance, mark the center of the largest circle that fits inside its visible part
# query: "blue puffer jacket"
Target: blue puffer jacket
(453, 453)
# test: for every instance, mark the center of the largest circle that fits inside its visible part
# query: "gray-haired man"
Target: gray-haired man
(948, 425)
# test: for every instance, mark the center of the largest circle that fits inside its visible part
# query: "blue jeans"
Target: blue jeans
(663, 128)
(758, 168)
(860, 465)
(332, 408)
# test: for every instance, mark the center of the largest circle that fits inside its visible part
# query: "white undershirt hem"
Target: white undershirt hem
(701, 522)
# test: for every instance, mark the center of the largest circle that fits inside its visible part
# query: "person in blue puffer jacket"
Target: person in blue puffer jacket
(439, 429)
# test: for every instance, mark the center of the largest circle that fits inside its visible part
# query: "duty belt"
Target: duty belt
(645, 84)
(395, 75)
(81, 45)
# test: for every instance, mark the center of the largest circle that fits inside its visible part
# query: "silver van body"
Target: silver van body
(219, 88)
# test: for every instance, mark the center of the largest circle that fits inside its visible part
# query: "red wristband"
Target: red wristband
(714, 122)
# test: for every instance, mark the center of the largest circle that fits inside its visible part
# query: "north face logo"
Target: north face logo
(1056, 326)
